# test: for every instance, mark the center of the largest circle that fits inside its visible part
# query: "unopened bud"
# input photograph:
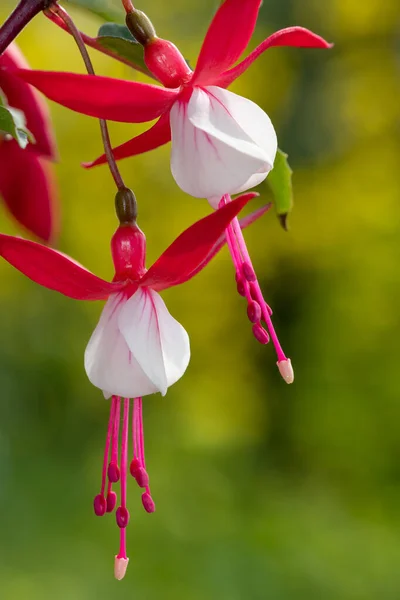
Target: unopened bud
(148, 503)
(111, 501)
(140, 26)
(254, 311)
(286, 370)
(142, 477)
(113, 472)
(120, 566)
(126, 206)
(99, 505)
(122, 517)
(260, 334)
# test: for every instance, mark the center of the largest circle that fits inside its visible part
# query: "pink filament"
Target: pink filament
(107, 447)
(114, 448)
(240, 256)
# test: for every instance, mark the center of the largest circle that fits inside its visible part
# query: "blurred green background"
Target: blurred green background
(263, 490)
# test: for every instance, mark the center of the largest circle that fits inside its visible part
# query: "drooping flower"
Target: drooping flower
(26, 178)
(137, 348)
(222, 143)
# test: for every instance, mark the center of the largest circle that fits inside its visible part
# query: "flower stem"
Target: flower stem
(60, 12)
(21, 15)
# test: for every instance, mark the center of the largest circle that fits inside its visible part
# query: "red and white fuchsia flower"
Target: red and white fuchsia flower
(137, 348)
(221, 143)
(26, 178)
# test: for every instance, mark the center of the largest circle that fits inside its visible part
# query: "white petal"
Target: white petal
(219, 142)
(109, 363)
(157, 341)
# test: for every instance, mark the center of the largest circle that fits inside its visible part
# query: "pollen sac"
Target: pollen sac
(241, 286)
(113, 472)
(111, 501)
(148, 503)
(248, 272)
(142, 478)
(99, 505)
(254, 311)
(122, 517)
(134, 467)
(260, 334)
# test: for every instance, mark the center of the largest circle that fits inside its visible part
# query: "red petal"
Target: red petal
(54, 270)
(226, 39)
(245, 222)
(28, 189)
(22, 96)
(103, 97)
(188, 253)
(292, 36)
(156, 136)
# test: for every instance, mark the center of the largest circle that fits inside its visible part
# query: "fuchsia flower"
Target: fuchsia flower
(26, 179)
(221, 143)
(137, 348)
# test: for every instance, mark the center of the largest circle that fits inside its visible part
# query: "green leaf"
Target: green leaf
(12, 122)
(118, 39)
(280, 183)
(105, 9)
(116, 30)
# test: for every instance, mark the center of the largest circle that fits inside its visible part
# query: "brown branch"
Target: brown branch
(21, 15)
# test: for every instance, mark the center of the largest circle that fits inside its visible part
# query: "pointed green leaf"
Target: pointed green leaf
(280, 183)
(119, 40)
(13, 123)
(105, 9)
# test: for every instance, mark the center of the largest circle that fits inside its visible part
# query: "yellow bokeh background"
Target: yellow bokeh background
(263, 490)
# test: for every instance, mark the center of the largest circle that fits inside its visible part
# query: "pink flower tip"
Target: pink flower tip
(286, 370)
(120, 566)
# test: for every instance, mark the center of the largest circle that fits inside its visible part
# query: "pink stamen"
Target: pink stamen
(113, 469)
(249, 287)
(106, 503)
(100, 503)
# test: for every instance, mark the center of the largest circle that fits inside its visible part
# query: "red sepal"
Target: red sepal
(28, 189)
(156, 136)
(102, 97)
(226, 39)
(298, 37)
(188, 254)
(55, 270)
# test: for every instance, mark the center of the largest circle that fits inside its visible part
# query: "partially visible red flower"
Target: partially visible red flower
(26, 177)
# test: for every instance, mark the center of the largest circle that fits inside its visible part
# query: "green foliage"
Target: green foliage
(119, 40)
(280, 183)
(12, 122)
(104, 9)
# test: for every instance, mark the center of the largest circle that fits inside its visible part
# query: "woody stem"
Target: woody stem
(21, 15)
